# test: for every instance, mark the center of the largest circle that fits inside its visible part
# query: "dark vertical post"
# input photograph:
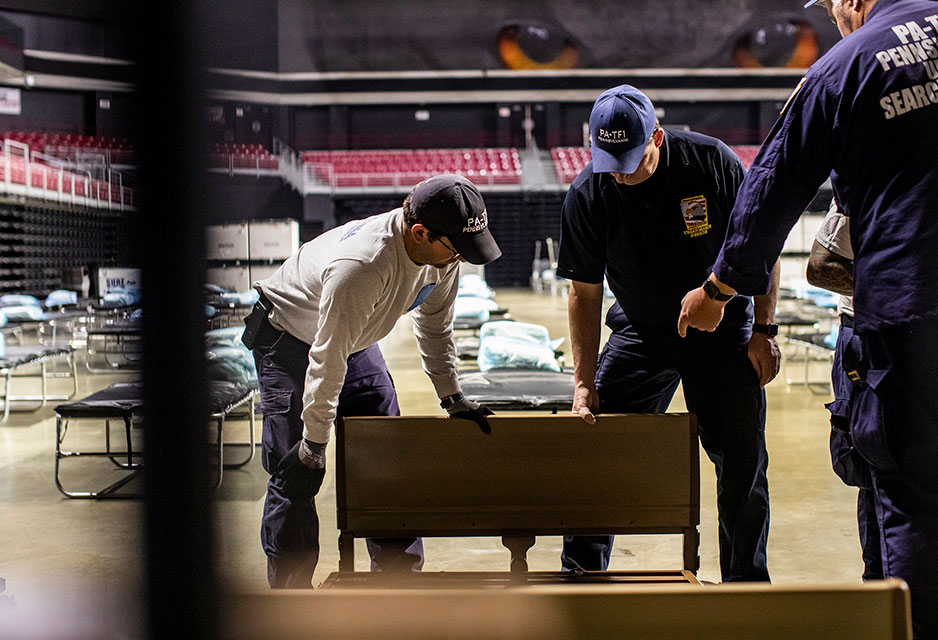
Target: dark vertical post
(553, 123)
(338, 127)
(181, 583)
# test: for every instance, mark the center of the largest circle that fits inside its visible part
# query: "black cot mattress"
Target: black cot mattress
(519, 389)
(126, 398)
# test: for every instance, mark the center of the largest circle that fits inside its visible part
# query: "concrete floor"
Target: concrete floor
(72, 556)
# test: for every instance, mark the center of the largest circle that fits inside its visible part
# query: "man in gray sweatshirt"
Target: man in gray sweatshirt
(314, 333)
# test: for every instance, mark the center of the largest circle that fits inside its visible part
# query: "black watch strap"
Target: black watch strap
(770, 330)
(713, 292)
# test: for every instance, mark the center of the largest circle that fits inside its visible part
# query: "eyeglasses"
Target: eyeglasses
(451, 249)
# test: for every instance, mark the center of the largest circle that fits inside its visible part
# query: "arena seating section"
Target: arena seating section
(406, 167)
(569, 161)
(54, 182)
(68, 146)
(224, 155)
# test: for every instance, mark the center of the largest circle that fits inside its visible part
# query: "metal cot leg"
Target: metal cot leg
(6, 395)
(252, 433)
(220, 423)
(43, 370)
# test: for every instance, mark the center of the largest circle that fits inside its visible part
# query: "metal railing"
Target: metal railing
(290, 165)
(36, 175)
(237, 163)
(323, 175)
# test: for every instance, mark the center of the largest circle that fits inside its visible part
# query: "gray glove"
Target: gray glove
(459, 406)
(302, 469)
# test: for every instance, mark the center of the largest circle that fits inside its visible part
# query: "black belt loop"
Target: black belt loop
(846, 320)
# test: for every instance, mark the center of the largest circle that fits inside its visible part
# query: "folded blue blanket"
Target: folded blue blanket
(23, 312)
(232, 364)
(18, 300)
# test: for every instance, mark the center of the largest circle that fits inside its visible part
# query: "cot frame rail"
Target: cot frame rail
(8, 374)
(131, 460)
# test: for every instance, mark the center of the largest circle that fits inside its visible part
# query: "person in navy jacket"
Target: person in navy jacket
(865, 114)
(649, 214)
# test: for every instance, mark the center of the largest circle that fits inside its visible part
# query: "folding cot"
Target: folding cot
(820, 344)
(112, 343)
(17, 357)
(473, 324)
(519, 389)
(50, 326)
(123, 403)
(11, 332)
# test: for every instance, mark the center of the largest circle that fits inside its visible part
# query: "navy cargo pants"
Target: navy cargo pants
(638, 372)
(290, 528)
(848, 464)
(894, 425)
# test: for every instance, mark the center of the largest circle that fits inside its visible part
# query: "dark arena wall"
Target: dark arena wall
(362, 35)
(410, 75)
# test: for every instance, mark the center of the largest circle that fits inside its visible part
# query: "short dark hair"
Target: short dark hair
(410, 216)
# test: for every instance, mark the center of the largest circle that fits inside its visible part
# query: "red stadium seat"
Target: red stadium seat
(406, 167)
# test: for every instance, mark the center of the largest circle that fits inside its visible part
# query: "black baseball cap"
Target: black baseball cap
(451, 206)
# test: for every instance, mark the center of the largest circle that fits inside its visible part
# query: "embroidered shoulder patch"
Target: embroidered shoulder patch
(694, 210)
(355, 228)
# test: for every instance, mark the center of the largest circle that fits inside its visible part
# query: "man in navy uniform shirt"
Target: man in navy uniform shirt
(865, 114)
(649, 213)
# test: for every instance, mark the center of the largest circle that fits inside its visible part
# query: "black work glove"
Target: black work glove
(302, 469)
(459, 406)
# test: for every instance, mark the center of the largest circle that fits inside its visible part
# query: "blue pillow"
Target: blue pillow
(61, 298)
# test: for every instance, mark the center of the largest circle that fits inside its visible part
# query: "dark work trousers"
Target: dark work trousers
(894, 424)
(638, 372)
(848, 464)
(290, 528)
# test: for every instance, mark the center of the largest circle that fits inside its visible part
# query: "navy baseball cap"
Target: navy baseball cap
(451, 206)
(621, 123)
(811, 3)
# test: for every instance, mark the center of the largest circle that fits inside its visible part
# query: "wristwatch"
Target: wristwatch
(713, 292)
(449, 401)
(770, 330)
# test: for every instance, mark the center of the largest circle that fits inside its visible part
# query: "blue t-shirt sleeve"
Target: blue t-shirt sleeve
(791, 165)
(582, 252)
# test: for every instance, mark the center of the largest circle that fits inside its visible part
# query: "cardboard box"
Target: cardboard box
(263, 271)
(227, 241)
(234, 279)
(273, 239)
(110, 278)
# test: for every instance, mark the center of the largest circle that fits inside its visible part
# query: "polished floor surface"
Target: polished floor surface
(56, 550)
